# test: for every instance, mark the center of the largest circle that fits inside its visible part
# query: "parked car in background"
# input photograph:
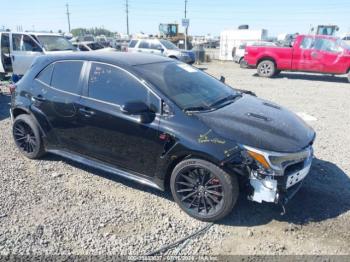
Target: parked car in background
(161, 47)
(164, 124)
(238, 53)
(346, 39)
(92, 46)
(120, 44)
(18, 50)
(310, 53)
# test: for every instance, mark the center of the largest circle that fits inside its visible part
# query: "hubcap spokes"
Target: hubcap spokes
(199, 190)
(24, 137)
(265, 69)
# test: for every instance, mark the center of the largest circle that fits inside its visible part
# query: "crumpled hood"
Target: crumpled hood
(261, 124)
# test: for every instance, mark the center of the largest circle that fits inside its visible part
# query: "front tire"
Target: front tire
(203, 190)
(266, 68)
(27, 137)
(243, 63)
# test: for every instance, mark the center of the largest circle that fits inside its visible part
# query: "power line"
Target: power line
(68, 17)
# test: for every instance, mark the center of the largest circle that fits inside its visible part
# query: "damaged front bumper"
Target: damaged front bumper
(281, 188)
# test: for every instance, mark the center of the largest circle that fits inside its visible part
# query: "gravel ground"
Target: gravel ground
(54, 206)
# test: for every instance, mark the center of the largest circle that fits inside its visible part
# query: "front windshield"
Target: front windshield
(168, 45)
(185, 85)
(95, 46)
(55, 43)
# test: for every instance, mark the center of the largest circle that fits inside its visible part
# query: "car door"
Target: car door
(109, 134)
(330, 56)
(156, 48)
(24, 50)
(55, 99)
(305, 57)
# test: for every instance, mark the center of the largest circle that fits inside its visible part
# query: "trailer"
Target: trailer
(231, 39)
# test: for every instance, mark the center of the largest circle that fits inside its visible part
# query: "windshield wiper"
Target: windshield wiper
(221, 101)
(196, 108)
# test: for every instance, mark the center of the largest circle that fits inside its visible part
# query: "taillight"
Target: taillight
(12, 88)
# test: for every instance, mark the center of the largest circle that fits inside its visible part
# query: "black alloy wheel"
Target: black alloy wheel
(203, 190)
(27, 137)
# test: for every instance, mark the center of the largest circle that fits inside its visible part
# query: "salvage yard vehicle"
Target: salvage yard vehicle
(238, 53)
(161, 47)
(310, 53)
(164, 124)
(18, 50)
(92, 46)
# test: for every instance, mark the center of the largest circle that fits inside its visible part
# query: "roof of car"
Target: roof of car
(116, 58)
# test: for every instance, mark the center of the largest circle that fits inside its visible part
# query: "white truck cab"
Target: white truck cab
(19, 49)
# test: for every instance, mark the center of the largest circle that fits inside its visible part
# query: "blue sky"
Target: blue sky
(206, 16)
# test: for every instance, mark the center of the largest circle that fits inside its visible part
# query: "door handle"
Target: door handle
(86, 112)
(39, 98)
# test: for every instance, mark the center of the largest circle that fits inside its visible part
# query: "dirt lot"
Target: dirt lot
(54, 206)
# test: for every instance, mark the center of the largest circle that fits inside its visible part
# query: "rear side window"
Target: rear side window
(144, 44)
(132, 43)
(307, 43)
(45, 75)
(66, 76)
(16, 42)
(113, 85)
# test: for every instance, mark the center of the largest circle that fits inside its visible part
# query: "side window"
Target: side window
(132, 43)
(83, 48)
(28, 44)
(156, 46)
(66, 76)
(16, 42)
(144, 44)
(327, 45)
(113, 85)
(45, 75)
(307, 43)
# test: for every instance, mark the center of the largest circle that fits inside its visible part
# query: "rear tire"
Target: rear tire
(203, 190)
(266, 68)
(27, 137)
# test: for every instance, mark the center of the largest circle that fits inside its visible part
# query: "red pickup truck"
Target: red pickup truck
(309, 53)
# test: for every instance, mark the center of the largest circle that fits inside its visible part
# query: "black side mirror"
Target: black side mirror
(139, 108)
(222, 79)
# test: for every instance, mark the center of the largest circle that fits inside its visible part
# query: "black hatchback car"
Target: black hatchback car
(162, 123)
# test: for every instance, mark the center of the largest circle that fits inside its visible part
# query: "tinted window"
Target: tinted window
(110, 84)
(66, 76)
(144, 44)
(132, 43)
(83, 48)
(184, 84)
(45, 75)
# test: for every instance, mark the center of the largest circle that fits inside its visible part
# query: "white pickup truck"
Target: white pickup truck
(19, 49)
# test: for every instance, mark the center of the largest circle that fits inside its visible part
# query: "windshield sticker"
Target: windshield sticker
(187, 68)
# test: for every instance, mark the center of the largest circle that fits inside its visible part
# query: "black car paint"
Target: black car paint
(152, 150)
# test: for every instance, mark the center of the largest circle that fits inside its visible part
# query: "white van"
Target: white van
(18, 50)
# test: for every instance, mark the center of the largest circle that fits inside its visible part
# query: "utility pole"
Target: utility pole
(186, 32)
(127, 16)
(68, 17)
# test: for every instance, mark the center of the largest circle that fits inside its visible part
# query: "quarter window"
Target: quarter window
(113, 85)
(66, 76)
(45, 75)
